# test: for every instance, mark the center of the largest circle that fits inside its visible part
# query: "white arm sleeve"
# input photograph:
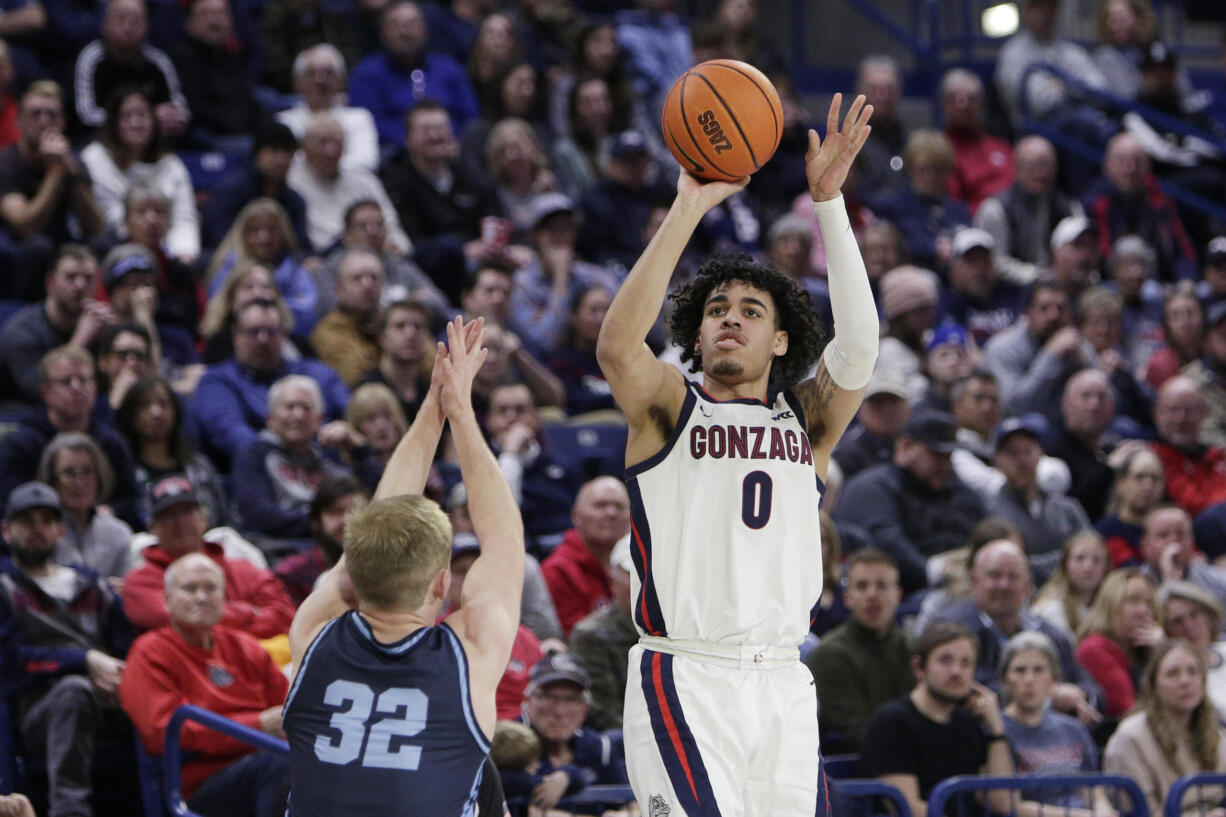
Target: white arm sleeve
(851, 355)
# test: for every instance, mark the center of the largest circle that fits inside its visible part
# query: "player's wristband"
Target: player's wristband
(994, 738)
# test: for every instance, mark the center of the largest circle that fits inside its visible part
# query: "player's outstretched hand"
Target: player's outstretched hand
(458, 365)
(706, 195)
(827, 163)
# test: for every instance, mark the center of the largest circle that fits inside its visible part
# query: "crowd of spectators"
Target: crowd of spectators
(201, 375)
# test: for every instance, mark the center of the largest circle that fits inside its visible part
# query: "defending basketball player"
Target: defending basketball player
(725, 480)
(388, 713)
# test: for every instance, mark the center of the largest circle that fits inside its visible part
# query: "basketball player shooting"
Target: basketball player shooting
(725, 478)
(388, 713)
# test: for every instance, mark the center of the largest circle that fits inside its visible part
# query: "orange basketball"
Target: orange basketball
(722, 120)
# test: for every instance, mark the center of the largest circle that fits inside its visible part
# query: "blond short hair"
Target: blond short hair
(515, 746)
(394, 548)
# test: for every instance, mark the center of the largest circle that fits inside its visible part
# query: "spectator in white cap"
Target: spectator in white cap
(1075, 255)
(977, 298)
(882, 415)
(600, 643)
(908, 298)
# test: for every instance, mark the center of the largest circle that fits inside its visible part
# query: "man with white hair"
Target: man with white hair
(197, 660)
(328, 188)
(276, 477)
(319, 76)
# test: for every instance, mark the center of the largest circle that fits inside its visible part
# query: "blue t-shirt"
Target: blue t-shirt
(1060, 745)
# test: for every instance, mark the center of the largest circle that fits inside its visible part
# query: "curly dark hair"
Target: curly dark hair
(806, 335)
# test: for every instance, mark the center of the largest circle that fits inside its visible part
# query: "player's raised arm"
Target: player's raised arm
(409, 466)
(635, 377)
(406, 473)
(495, 581)
(833, 396)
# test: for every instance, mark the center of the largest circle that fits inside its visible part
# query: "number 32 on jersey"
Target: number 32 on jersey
(404, 712)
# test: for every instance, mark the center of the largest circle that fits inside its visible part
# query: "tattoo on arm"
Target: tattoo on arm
(815, 396)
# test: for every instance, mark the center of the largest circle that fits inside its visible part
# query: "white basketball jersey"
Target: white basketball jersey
(725, 534)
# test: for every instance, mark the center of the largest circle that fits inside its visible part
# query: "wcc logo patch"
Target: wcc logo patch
(656, 807)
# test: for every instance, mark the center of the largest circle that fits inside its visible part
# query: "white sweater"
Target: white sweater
(168, 175)
(361, 137)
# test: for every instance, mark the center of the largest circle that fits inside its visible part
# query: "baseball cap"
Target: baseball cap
(1014, 425)
(171, 490)
(935, 429)
(628, 143)
(969, 238)
(464, 542)
(1157, 55)
(125, 260)
(620, 557)
(32, 495)
(1069, 230)
(548, 204)
(887, 381)
(948, 334)
(558, 666)
(1215, 253)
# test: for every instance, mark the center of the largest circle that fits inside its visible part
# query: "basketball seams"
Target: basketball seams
(753, 157)
(770, 103)
(694, 166)
(689, 131)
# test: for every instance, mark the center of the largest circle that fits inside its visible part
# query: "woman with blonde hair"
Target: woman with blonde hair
(262, 234)
(1192, 613)
(247, 283)
(1174, 732)
(520, 170)
(1064, 601)
(376, 413)
(1122, 628)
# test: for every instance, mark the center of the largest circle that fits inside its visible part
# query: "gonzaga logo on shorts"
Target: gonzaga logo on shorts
(656, 807)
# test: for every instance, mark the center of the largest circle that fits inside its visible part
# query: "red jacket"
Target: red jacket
(1193, 484)
(237, 679)
(576, 579)
(1107, 662)
(509, 696)
(255, 600)
(983, 166)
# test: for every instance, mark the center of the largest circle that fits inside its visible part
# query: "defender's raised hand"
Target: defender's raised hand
(827, 163)
(459, 363)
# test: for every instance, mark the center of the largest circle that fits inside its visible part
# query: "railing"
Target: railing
(1094, 153)
(867, 789)
(1174, 798)
(172, 761)
(965, 784)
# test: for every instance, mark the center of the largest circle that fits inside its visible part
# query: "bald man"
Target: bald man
(996, 611)
(330, 189)
(1087, 407)
(577, 572)
(1021, 218)
(196, 660)
(1127, 200)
